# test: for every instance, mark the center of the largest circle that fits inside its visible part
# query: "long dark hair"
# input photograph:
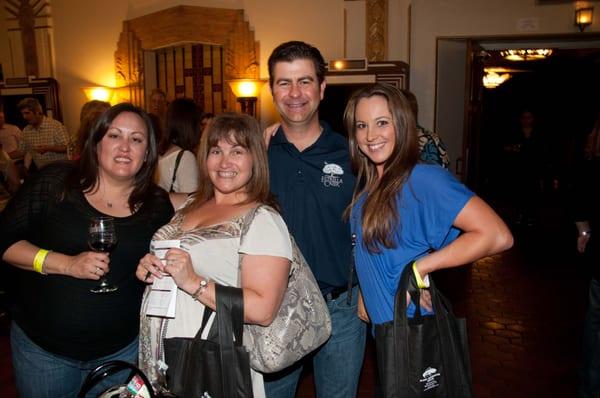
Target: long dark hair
(182, 125)
(380, 213)
(244, 131)
(87, 178)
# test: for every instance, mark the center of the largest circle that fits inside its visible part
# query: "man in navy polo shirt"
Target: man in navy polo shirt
(313, 182)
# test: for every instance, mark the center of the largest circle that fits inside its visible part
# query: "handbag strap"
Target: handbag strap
(407, 283)
(230, 318)
(109, 368)
(248, 218)
(177, 160)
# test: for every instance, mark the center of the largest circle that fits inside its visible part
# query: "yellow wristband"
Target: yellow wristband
(38, 261)
(420, 283)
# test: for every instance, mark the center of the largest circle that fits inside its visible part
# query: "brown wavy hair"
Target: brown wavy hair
(380, 213)
(242, 130)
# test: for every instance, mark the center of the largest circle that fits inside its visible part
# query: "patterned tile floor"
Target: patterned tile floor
(524, 310)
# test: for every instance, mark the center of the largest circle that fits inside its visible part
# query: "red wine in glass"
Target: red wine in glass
(102, 237)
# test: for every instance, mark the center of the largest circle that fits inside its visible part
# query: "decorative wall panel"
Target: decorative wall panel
(30, 40)
(232, 48)
(192, 71)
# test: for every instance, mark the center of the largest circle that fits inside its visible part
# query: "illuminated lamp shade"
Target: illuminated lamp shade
(247, 91)
(98, 93)
(584, 17)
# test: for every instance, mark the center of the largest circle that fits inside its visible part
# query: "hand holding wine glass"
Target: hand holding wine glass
(102, 237)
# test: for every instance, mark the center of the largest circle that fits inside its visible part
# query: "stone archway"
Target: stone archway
(185, 24)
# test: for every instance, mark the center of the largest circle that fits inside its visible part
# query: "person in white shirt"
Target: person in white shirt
(177, 168)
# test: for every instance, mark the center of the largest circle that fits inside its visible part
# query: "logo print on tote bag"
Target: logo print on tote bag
(429, 379)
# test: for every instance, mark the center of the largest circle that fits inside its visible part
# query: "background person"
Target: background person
(177, 168)
(45, 139)
(403, 211)
(527, 161)
(585, 202)
(60, 330)
(234, 179)
(90, 113)
(10, 137)
(431, 147)
(312, 180)
(9, 178)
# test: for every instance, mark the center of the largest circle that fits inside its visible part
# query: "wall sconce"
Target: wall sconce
(98, 93)
(247, 91)
(584, 17)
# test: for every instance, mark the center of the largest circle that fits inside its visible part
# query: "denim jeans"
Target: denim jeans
(41, 374)
(337, 364)
(590, 373)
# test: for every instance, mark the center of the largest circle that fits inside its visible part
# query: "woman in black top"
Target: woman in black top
(61, 330)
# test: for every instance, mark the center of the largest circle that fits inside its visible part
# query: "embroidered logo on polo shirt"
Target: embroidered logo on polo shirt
(332, 175)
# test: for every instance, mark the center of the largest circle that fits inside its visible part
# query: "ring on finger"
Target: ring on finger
(98, 271)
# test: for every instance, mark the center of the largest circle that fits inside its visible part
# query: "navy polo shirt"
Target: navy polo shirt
(314, 187)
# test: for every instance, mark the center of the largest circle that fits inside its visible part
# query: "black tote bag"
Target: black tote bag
(423, 356)
(221, 368)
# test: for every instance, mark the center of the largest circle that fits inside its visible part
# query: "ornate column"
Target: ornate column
(377, 11)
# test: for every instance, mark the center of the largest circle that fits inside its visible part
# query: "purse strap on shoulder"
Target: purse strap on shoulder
(177, 160)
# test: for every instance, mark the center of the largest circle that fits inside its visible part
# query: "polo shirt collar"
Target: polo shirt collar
(324, 139)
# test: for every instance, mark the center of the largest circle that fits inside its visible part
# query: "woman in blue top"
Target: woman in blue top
(403, 211)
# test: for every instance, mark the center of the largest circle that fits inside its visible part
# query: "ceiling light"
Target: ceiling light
(493, 79)
(526, 54)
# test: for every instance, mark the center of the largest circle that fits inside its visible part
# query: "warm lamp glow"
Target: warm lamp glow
(493, 79)
(246, 88)
(98, 93)
(584, 17)
(338, 65)
(526, 54)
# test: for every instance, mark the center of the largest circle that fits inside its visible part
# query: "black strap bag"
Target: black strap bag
(177, 160)
(423, 356)
(199, 368)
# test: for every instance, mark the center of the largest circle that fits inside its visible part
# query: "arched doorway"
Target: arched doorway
(188, 25)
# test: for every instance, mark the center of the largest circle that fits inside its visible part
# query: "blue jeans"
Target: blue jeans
(337, 364)
(41, 374)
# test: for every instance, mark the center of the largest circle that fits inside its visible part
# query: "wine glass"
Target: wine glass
(102, 237)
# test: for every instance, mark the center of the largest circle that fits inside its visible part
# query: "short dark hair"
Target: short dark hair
(293, 50)
(88, 174)
(182, 124)
(30, 103)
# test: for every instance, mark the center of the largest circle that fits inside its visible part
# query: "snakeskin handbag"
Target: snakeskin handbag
(302, 323)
